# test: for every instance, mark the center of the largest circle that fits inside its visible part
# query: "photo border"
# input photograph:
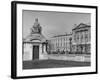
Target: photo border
(14, 38)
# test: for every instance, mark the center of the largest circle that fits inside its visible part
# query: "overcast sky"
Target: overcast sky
(53, 23)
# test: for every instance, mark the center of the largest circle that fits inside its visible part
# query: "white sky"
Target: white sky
(53, 23)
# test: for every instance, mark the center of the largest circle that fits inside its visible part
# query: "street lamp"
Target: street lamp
(70, 39)
(46, 45)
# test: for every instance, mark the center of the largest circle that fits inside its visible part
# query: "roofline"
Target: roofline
(81, 27)
(62, 35)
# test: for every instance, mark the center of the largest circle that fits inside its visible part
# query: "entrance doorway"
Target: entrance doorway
(35, 52)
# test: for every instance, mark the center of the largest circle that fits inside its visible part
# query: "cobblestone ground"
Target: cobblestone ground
(38, 64)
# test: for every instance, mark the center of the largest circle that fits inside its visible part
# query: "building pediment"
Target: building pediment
(81, 25)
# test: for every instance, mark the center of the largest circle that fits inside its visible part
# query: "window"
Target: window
(75, 38)
(82, 38)
(86, 37)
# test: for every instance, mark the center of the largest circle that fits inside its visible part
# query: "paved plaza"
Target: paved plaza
(37, 64)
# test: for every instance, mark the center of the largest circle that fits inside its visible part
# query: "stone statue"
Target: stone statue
(36, 27)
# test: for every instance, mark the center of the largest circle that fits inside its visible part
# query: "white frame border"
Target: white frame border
(36, 72)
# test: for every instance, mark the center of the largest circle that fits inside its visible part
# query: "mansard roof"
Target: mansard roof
(81, 25)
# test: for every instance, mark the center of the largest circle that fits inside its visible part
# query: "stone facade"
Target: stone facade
(81, 38)
(60, 42)
(77, 42)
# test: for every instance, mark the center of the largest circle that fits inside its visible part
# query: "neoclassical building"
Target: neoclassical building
(60, 42)
(34, 45)
(81, 38)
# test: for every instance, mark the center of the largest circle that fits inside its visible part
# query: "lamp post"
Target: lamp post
(70, 39)
(46, 45)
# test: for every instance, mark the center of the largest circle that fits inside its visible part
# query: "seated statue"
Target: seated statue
(36, 27)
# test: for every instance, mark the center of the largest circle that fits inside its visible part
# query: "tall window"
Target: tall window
(77, 38)
(82, 38)
(86, 37)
